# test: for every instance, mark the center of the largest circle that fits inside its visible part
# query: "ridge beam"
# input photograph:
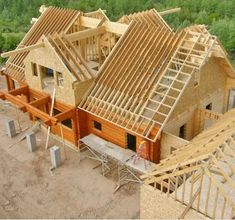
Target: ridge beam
(112, 27)
(170, 11)
(86, 33)
(22, 50)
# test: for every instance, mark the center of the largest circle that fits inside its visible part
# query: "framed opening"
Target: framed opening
(60, 79)
(48, 81)
(34, 69)
(131, 142)
(209, 106)
(182, 131)
(67, 123)
(56, 111)
(97, 125)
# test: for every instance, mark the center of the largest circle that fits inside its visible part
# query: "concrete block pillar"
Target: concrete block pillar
(31, 141)
(55, 156)
(10, 128)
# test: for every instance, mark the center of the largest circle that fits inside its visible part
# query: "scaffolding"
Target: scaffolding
(111, 156)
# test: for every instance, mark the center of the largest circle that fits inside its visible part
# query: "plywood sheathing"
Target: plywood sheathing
(155, 205)
(206, 164)
(51, 21)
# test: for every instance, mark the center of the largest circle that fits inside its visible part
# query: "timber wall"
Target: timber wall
(114, 134)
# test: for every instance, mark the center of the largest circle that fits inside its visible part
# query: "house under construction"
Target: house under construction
(127, 82)
(196, 181)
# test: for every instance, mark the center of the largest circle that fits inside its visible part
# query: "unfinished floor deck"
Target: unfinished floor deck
(28, 189)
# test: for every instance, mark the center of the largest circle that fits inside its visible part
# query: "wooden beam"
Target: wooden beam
(10, 82)
(112, 27)
(89, 22)
(29, 108)
(116, 28)
(2, 70)
(86, 33)
(22, 90)
(21, 50)
(190, 203)
(40, 102)
(66, 115)
(167, 12)
(2, 96)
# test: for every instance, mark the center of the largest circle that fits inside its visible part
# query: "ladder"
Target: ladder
(140, 152)
(190, 55)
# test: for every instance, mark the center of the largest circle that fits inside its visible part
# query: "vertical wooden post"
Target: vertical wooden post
(99, 50)
(10, 83)
(75, 127)
(226, 99)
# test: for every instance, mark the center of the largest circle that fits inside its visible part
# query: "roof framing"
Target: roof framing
(51, 21)
(144, 80)
(206, 164)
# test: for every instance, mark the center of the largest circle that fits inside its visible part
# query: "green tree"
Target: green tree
(2, 42)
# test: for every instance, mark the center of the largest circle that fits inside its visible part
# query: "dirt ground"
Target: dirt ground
(28, 189)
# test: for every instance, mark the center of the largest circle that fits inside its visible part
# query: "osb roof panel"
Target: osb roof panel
(208, 164)
(51, 21)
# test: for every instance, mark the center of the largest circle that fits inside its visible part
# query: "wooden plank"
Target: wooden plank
(86, 33)
(22, 50)
(170, 11)
(40, 102)
(65, 115)
(29, 108)
(190, 203)
(112, 27)
(51, 113)
(22, 90)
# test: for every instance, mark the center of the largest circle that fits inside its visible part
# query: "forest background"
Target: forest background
(218, 15)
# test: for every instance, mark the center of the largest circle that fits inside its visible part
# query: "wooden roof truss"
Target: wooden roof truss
(195, 175)
(94, 29)
(51, 21)
(71, 57)
(136, 90)
(112, 97)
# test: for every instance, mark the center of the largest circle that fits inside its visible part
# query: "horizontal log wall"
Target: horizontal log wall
(114, 134)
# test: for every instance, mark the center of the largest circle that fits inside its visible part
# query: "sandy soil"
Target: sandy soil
(28, 189)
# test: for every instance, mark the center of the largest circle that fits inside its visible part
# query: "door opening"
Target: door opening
(182, 131)
(209, 107)
(131, 142)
